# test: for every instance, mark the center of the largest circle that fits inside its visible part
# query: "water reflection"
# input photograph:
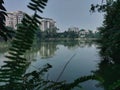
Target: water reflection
(13, 75)
(3, 47)
(42, 49)
(47, 49)
(110, 74)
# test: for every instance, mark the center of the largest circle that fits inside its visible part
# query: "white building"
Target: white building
(47, 23)
(83, 33)
(75, 29)
(14, 18)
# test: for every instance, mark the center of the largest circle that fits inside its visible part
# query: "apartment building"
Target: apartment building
(75, 29)
(14, 18)
(47, 23)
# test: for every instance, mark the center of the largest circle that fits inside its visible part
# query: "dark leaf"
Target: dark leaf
(33, 8)
(2, 7)
(1, 1)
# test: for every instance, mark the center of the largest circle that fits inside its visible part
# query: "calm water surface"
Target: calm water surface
(70, 60)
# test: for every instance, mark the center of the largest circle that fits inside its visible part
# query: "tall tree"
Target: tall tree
(110, 32)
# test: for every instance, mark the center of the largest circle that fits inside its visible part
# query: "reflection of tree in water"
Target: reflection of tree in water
(107, 73)
(77, 43)
(48, 49)
(110, 74)
(11, 75)
(109, 70)
(3, 47)
(86, 43)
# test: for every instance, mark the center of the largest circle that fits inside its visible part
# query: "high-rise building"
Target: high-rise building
(47, 23)
(14, 18)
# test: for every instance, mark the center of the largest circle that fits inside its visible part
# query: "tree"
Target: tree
(25, 36)
(110, 32)
(13, 69)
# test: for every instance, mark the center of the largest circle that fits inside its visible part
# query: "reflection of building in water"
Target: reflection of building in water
(43, 49)
(47, 49)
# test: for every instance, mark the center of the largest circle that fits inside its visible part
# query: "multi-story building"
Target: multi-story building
(83, 33)
(14, 18)
(75, 29)
(47, 23)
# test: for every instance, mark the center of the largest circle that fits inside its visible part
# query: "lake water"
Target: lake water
(69, 59)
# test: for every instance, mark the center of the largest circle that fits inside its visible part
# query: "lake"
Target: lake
(69, 59)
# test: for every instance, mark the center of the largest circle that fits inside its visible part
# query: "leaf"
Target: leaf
(37, 21)
(2, 7)
(3, 35)
(4, 13)
(33, 8)
(43, 2)
(39, 10)
(34, 1)
(1, 1)
(33, 5)
(38, 16)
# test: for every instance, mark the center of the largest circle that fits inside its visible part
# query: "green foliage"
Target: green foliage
(102, 7)
(11, 71)
(110, 46)
(36, 81)
(4, 32)
(76, 82)
(109, 72)
(115, 85)
(110, 32)
(26, 31)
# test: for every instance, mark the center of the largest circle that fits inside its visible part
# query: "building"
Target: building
(47, 23)
(75, 29)
(14, 18)
(83, 33)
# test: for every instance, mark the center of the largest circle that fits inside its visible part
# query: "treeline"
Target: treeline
(110, 32)
(67, 34)
(70, 34)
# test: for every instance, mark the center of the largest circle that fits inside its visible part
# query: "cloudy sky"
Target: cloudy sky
(66, 13)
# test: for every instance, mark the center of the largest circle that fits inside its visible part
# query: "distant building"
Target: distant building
(14, 18)
(83, 33)
(75, 29)
(47, 23)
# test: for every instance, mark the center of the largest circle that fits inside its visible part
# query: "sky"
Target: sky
(66, 13)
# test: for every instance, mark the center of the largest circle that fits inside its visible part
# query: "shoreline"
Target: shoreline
(68, 39)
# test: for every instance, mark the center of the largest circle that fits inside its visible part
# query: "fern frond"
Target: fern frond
(37, 5)
(12, 70)
(4, 32)
(26, 32)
